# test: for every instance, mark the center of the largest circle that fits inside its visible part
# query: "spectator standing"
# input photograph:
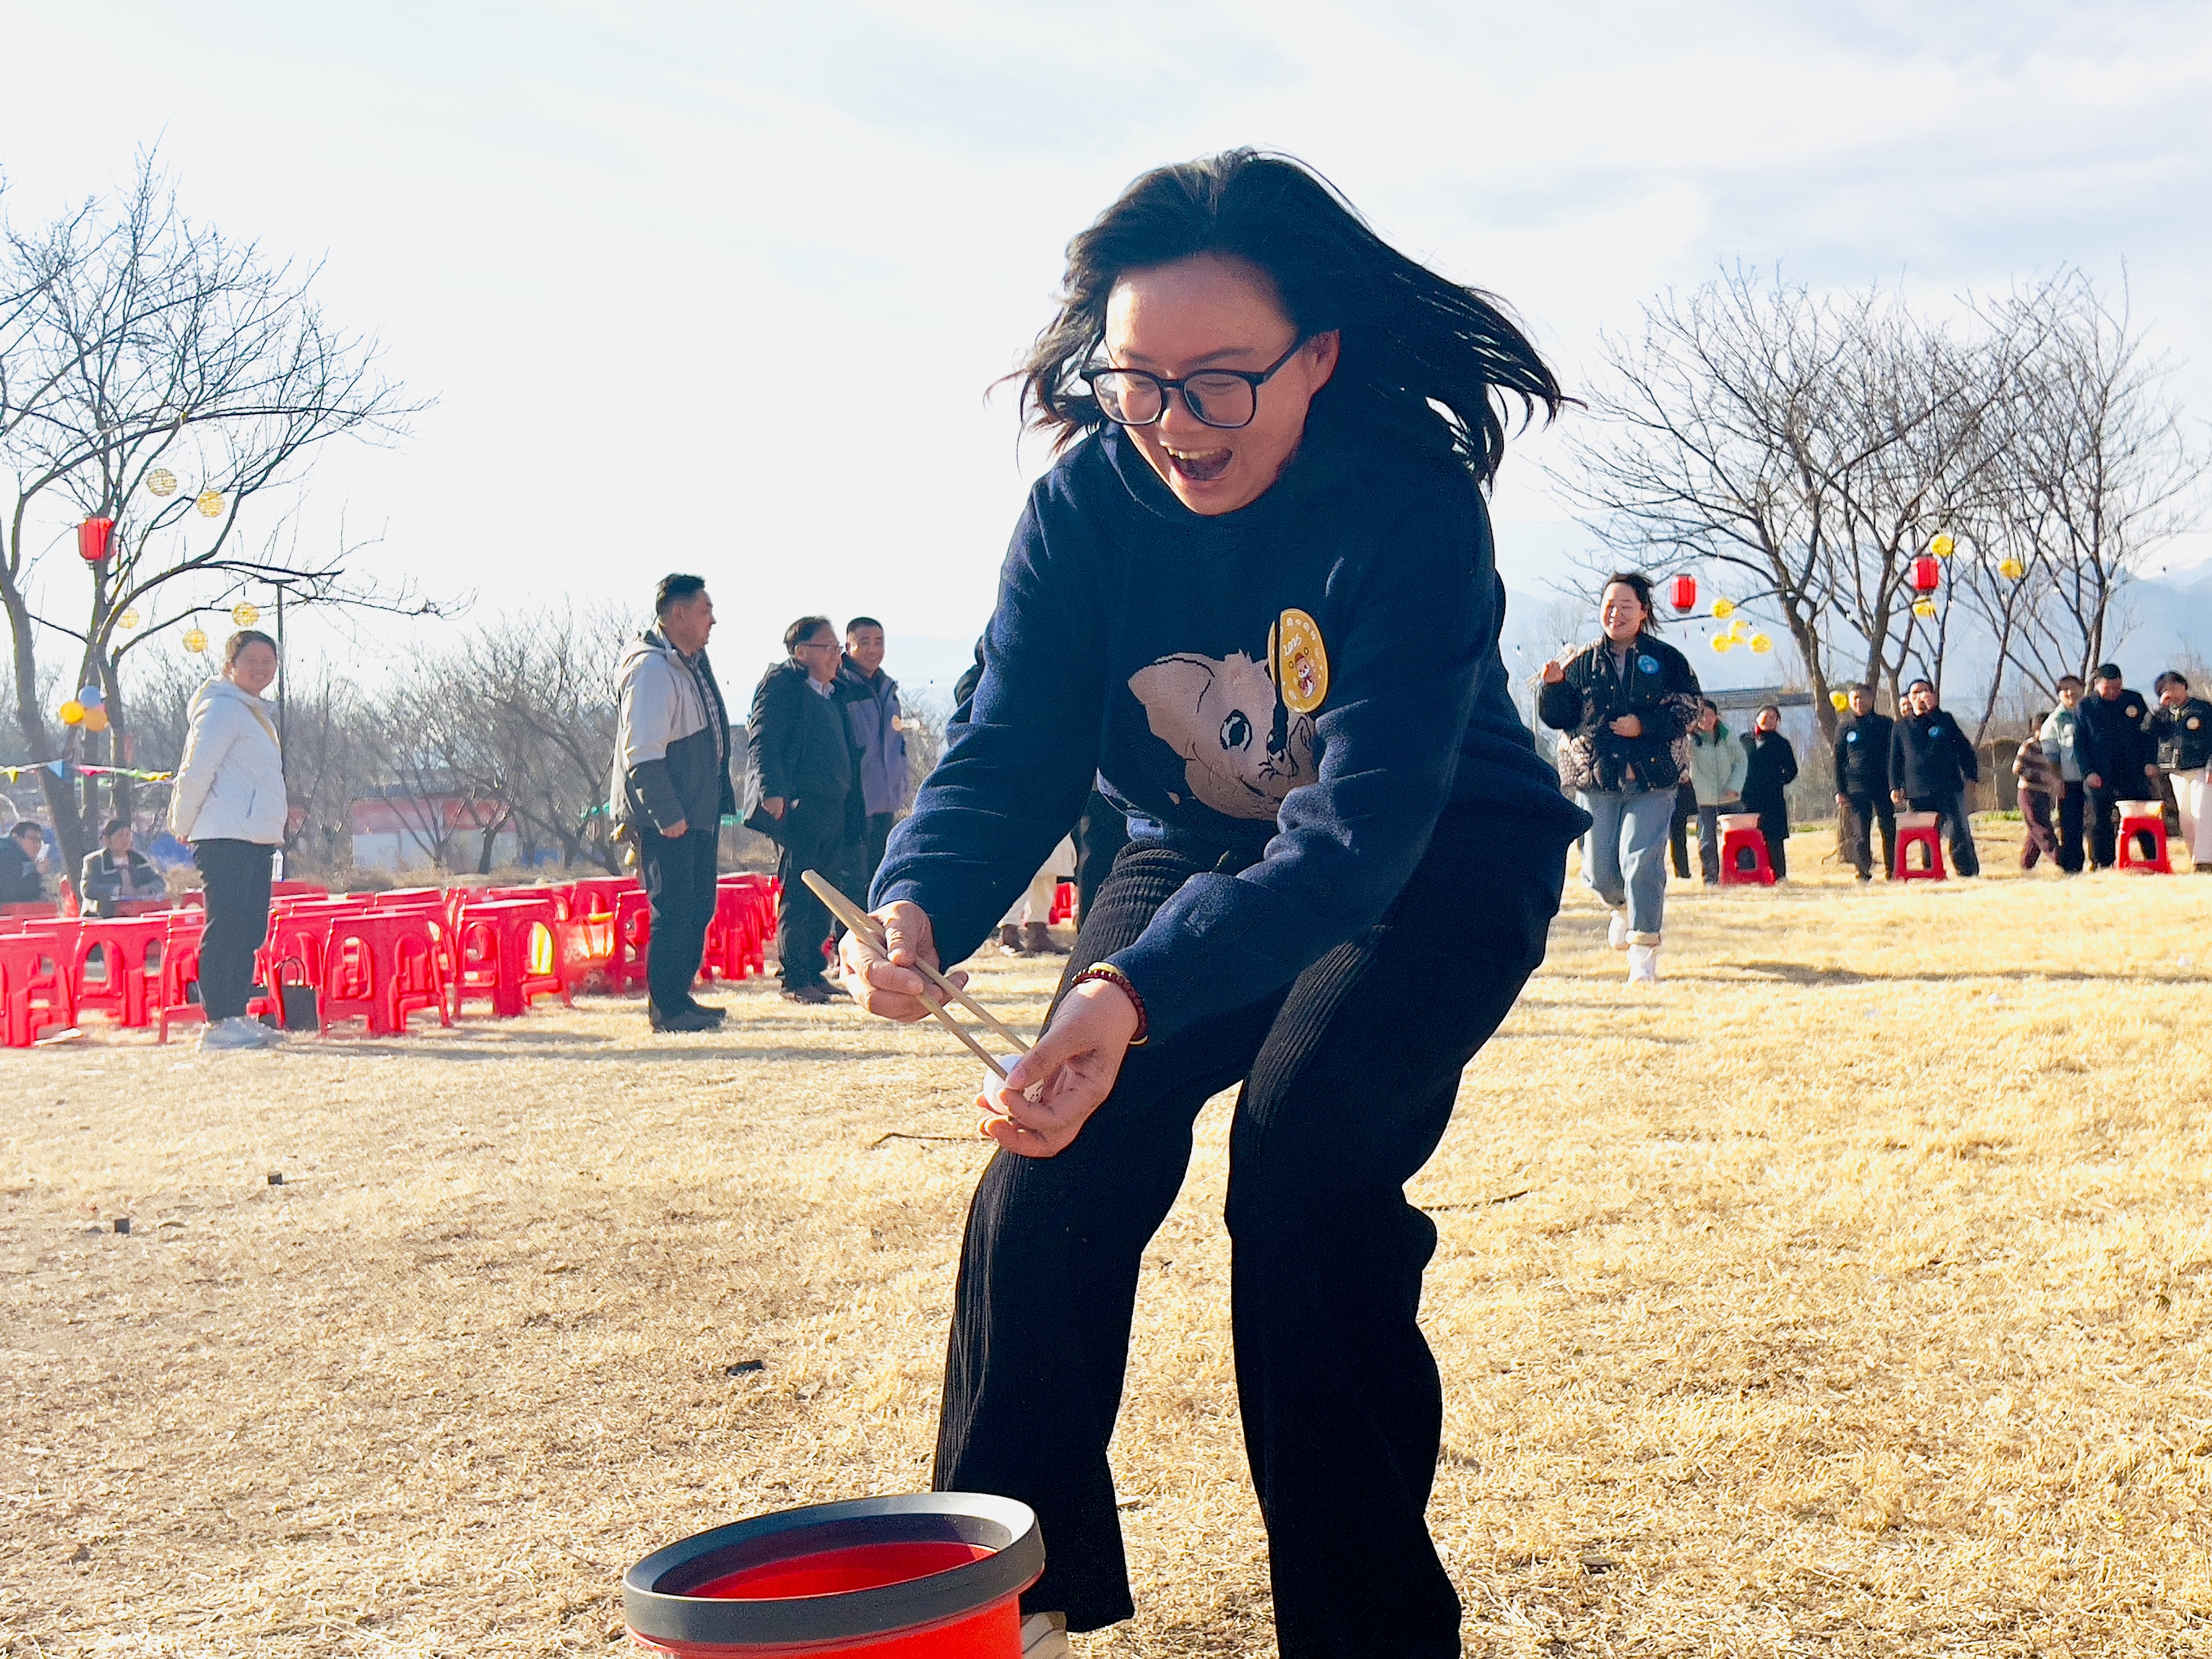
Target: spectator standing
(1862, 741)
(114, 873)
(806, 775)
(2039, 789)
(1930, 764)
(1717, 765)
(1770, 768)
(228, 800)
(872, 704)
(2119, 759)
(1623, 707)
(2181, 727)
(671, 789)
(2061, 734)
(23, 879)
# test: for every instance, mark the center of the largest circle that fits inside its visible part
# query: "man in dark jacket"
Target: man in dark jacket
(2119, 758)
(1863, 738)
(805, 779)
(1930, 764)
(871, 701)
(671, 790)
(2181, 726)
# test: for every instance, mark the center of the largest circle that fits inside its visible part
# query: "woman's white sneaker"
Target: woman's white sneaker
(1643, 964)
(1044, 1636)
(238, 1033)
(1616, 931)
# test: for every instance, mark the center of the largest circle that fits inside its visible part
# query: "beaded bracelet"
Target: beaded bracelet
(1107, 972)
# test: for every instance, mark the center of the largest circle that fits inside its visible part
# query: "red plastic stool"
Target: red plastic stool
(381, 967)
(177, 998)
(2143, 817)
(1921, 829)
(1742, 836)
(34, 987)
(633, 940)
(500, 958)
(1063, 900)
(127, 946)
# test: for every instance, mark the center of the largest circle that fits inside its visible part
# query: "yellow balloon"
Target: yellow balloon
(245, 615)
(209, 503)
(195, 639)
(128, 619)
(1942, 547)
(1839, 700)
(1724, 609)
(1762, 644)
(161, 482)
(1923, 608)
(95, 719)
(72, 712)
(1723, 643)
(2012, 570)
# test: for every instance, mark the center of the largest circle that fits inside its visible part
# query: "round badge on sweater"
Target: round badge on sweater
(1649, 664)
(2194, 722)
(1850, 737)
(1301, 662)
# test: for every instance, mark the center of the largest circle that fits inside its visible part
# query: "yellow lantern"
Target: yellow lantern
(95, 719)
(128, 619)
(1762, 644)
(245, 615)
(72, 712)
(209, 503)
(1942, 547)
(1839, 700)
(195, 640)
(161, 482)
(1923, 607)
(2011, 569)
(1723, 643)
(1724, 609)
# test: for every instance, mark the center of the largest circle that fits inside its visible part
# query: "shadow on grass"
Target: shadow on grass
(1798, 973)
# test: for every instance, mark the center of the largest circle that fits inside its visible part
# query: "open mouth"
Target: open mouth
(1203, 467)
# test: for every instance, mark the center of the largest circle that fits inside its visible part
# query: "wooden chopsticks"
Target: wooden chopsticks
(871, 930)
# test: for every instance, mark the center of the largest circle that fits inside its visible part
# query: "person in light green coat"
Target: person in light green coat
(1717, 768)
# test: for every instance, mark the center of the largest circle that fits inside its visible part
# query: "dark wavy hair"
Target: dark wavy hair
(1422, 357)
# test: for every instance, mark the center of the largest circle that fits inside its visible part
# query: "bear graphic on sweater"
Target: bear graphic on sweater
(1219, 715)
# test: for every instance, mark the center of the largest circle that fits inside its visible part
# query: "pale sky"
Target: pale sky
(721, 287)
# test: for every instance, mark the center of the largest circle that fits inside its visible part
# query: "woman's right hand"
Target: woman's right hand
(1553, 673)
(886, 982)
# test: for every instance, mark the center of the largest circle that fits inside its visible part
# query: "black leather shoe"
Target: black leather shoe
(707, 1011)
(813, 995)
(684, 1019)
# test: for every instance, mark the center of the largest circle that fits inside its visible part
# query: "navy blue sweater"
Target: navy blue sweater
(1142, 642)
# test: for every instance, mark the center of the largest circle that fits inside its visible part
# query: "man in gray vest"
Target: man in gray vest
(670, 789)
(804, 791)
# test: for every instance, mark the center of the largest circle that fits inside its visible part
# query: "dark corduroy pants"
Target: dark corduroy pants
(1348, 1080)
(1867, 809)
(235, 878)
(678, 873)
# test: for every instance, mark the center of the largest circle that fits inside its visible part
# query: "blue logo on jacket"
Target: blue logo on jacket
(1850, 737)
(1649, 664)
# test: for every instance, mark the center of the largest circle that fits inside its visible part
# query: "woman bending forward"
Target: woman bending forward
(1255, 599)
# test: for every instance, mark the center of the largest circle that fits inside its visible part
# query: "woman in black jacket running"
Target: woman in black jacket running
(1255, 599)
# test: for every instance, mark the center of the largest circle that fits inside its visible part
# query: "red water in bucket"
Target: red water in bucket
(931, 1576)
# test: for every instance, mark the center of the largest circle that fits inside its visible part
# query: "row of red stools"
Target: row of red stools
(378, 958)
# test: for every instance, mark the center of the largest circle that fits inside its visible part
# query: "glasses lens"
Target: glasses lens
(1127, 396)
(1223, 400)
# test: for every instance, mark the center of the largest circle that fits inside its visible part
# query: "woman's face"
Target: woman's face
(253, 669)
(1768, 719)
(119, 843)
(1708, 718)
(1206, 312)
(1620, 612)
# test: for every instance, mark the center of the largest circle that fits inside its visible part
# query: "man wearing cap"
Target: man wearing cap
(1930, 764)
(2181, 726)
(671, 789)
(2119, 760)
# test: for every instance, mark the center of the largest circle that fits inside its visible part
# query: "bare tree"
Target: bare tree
(162, 377)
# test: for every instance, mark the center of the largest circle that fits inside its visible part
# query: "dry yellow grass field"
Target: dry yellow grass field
(1849, 1293)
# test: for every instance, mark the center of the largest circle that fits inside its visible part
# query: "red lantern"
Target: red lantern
(1684, 594)
(92, 538)
(1926, 572)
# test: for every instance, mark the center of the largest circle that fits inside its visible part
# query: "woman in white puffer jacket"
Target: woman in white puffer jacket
(228, 801)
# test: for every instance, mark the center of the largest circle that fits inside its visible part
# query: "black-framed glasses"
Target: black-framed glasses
(1223, 397)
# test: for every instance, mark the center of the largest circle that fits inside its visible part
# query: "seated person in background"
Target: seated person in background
(115, 872)
(21, 881)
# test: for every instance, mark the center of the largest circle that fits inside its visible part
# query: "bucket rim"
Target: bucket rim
(655, 1603)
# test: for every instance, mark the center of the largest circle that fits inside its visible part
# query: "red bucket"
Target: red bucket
(937, 1576)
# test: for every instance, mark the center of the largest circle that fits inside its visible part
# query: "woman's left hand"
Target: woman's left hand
(1627, 726)
(1076, 1061)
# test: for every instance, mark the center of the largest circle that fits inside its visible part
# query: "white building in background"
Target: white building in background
(417, 832)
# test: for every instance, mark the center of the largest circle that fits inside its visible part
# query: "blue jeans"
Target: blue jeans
(1624, 854)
